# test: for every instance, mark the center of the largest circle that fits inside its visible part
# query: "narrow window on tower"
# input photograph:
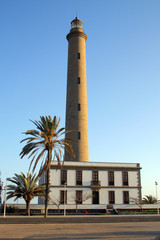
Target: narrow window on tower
(78, 80)
(79, 106)
(78, 55)
(79, 135)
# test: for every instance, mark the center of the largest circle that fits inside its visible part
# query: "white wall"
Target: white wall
(103, 196)
(86, 181)
(118, 178)
(103, 177)
(71, 177)
(55, 177)
(119, 196)
(134, 193)
(86, 177)
(133, 178)
(87, 192)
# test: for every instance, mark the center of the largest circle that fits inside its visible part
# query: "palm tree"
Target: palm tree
(149, 199)
(45, 144)
(25, 187)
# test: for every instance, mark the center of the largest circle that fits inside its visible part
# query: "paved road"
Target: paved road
(95, 231)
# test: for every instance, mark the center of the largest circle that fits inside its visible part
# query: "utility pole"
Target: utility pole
(65, 198)
(5, 195)
(1, 187)
(156, 184)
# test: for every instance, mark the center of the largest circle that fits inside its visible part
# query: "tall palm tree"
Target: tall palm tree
(25, 187)
(44, 144)
(149, 199)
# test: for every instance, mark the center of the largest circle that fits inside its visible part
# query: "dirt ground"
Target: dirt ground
(95, 231)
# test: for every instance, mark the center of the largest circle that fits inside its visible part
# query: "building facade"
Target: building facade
(94, 185)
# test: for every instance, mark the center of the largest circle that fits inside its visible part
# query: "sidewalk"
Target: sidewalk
(78, 219)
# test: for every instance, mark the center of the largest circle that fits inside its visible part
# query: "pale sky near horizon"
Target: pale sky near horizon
(123, 78)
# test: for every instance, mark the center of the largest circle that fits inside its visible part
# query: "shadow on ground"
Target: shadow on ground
(117, 235)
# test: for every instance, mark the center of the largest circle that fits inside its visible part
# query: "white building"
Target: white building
(92, 185)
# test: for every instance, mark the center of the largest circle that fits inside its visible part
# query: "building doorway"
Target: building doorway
(95, 199)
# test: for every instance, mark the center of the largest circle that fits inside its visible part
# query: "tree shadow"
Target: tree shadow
(101, 235)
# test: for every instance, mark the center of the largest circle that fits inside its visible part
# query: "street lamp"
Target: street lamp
(5, 195)
(1, 194)
(65, 196)
(156, 184)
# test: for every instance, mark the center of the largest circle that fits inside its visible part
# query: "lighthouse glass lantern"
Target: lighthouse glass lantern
(76, 23)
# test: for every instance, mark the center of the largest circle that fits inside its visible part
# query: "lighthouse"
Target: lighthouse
(95, 186)
(76, 102)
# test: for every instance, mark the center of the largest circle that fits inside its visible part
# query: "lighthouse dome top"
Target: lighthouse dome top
(76, 29)
(76, 23)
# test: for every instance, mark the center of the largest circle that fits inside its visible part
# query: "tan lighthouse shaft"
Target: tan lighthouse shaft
(76, 106)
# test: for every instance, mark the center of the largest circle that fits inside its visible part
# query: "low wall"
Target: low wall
(86, 206)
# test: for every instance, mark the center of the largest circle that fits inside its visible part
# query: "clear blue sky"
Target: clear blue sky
(123, 78)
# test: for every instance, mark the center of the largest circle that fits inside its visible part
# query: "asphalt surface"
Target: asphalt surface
(95, 231)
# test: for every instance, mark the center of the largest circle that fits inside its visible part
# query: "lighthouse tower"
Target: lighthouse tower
(76, 104)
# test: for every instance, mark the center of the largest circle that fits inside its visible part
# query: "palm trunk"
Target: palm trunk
(28, 207)
(76, 207)
(47, 185)
(58, 209)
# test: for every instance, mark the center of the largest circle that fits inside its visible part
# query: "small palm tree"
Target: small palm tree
(25, 187)
(45, 144)
(149, 199)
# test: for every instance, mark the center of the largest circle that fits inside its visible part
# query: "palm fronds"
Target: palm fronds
(149, 199)
(44, 144)
(26, 187)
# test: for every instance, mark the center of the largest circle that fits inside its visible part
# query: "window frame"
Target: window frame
(111, 197)
(63, 196)
(95, 198)
(125, 178)
(111, 178)
(79, 177)
(125, 197)
(79, 199)
(95, 177)
(63, 177)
